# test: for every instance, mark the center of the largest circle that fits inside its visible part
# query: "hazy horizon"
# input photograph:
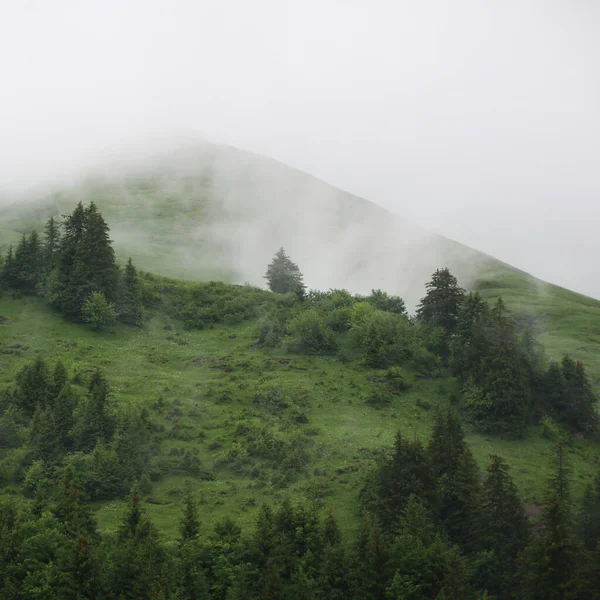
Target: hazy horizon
(477, 122)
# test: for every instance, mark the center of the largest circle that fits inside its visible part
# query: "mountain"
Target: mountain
(205, 211)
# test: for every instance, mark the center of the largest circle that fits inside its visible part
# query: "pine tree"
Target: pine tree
(554, 558)
(373, 563)
(405, 472)
(9, 270)
(190, 525)
(503, 527)
(440, 307)
(581, 414)
(51, 244)
(95, 269)
(62, 409)
(130, 305)
(70, 507)
(334, 579)
(26, 267)
(64, 292)
(589, 519)
(59, 379)
(33, 386)
(284, 276)
(94, 423)
(45, 440)
(447, 442)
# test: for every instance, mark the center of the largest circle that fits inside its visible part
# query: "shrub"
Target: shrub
(312, 334)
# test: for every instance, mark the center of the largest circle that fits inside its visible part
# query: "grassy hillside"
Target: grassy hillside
(210, 390)
(216, 213)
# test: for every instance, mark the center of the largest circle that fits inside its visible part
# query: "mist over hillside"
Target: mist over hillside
(208, 211)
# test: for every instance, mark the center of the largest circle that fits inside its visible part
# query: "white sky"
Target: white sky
(477, 119)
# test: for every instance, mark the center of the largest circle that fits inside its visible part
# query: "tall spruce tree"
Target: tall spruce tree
(130, 302)
(503, 528)
(284, 276)
(589, 518)
(95, 269)
(440, 306)
(33, 386)
(554, 558)
(405, 472)
(64, 290)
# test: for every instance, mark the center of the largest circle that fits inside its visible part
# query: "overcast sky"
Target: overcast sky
(477, 119)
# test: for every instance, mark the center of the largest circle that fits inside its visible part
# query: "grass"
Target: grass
(202, 385)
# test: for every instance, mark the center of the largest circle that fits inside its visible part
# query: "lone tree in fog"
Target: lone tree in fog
(441, 304)
(284, 276)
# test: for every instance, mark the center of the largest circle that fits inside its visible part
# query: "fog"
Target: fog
(476, 120)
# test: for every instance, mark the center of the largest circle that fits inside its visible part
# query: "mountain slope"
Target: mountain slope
(207, 211)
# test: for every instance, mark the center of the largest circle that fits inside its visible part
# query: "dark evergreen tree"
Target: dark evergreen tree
(589, 519)
(94, 422)
(447, 442)
(503, 528)
(130, 303)
(33, 386)
(554, 558)
(51, 244)
(404, 473)
(45, 439)
(284, 276)
(440, 306)
(9, 270)
(94, 269)
(70, 506)
(59, 379)
(581, 414)
(190, 524)
(64, 290)
(63, 406)
(26, 267)
(334, 577)
(373, 563)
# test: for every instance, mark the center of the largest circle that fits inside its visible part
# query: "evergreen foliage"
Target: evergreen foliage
(284, 276)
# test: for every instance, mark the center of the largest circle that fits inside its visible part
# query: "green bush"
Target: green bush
(311, 334)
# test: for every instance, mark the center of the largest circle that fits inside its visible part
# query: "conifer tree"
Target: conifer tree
(65, 292)
(94, 423)
(190, 525)
(554, 557)
(334, 578)
(130, 305)
(70, 507)
(447, 442)
(373, 563)
(45, 440)
(589, 519)
(503, 527)
(51, 244)
(284, 276)
(59, 379)
(62, 410)
(9, 271)
(94, 269)
(33, 386)
(440, 306)
(405, 472)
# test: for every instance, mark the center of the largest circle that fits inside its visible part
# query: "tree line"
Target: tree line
(507, 382)
(73, 267)
(431, 528)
